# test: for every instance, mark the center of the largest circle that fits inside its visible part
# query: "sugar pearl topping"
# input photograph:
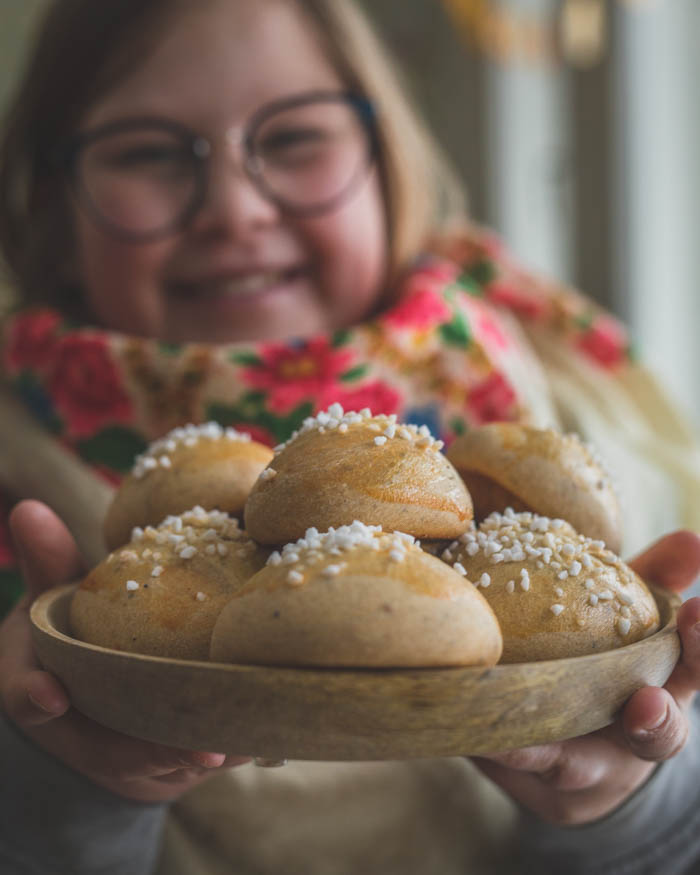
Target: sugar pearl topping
(513, 538)
(318, 547)
(196, 532)
(386, 427)
(158, 453)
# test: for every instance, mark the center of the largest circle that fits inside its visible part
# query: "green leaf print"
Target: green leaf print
(115, 447)
(340, 338)
(246, 358)
(354, 373)
(456, 332)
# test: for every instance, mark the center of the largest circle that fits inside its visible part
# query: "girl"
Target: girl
(184, 188)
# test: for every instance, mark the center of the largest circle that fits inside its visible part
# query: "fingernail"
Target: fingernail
(203, 760)
(653, 724)
(45, 706)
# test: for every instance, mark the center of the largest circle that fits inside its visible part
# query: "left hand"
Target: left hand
(583, 779)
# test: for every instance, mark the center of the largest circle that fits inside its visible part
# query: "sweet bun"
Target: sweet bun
(161, 593)
(340, 467)
(207, 465)
(356, 596)
(555, 592)
(513, 465)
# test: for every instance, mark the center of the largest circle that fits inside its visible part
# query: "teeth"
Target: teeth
(245, 284)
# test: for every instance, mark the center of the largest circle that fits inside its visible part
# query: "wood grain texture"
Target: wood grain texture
(348, 714)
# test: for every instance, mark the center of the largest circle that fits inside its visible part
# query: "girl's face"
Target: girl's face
(242, 269)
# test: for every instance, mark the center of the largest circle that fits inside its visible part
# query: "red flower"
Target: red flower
(518, 298)
(32, 340)
(491, 400)
(378, 396)
(291, 375)
(86, 387)
(422, 309)
(605, 342)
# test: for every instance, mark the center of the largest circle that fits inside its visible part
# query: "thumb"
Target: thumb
(672, 562)
(48, 555)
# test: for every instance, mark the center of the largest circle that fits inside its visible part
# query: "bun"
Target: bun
(358, 597)
(206, 465)
(525, 468)
(161, 593)
(341, 467)
(555, 592)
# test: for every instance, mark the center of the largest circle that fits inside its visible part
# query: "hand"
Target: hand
(39, 705)
(583, 779)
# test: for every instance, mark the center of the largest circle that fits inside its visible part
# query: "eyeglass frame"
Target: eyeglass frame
(66, 158)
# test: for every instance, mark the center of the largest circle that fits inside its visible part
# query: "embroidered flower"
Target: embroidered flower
(379, 396)
(604, 341)
(85, 385)
(32, 340)
(492, 400)
(422, 310)
(521, 296)
(291, 374)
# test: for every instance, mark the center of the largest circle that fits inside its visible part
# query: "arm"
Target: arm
(53, 820)
(656, 830)
(597, 796)
(86, 792)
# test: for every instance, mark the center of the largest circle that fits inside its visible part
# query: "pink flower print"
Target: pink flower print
(380, 397)
(421, 310)
(32, 340)
(86, 386)
(519, 295)
(492, 400)
(291, 374)
(604, 341)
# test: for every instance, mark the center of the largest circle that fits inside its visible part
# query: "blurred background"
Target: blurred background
(576, 127)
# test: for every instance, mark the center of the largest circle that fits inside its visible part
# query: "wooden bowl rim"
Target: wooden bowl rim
(40, 616)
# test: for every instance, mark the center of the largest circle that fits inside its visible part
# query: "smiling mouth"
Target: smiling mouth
(244, 285)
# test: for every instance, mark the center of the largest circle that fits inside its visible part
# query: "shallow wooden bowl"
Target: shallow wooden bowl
(344, 714)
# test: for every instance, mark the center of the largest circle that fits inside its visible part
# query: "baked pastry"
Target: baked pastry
(356, 596)
(339, 467)
(555, 592)
(162, 592)
(513, 465)
(198, 464)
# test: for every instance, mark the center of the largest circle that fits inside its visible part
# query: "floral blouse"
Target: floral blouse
(451, 353)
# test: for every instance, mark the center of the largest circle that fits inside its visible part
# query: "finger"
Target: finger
(654, 726)
(108, 756)
(566, 766)
(48, 554)
(29, 696)
(685, 678)
(673, 561)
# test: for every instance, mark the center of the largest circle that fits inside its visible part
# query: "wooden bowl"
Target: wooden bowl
(348, 714)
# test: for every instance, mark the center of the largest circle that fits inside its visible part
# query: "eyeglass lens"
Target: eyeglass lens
(148, 179)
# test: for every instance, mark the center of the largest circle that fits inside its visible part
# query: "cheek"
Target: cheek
(353, 255)
(120, 280)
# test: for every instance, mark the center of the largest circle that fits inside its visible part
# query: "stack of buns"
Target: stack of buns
(365, 546)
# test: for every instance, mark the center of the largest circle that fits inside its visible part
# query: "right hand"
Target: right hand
(39, 705)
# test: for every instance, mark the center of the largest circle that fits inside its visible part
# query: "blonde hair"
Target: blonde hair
(66, 76)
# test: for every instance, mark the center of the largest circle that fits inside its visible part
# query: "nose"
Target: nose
(232, 203)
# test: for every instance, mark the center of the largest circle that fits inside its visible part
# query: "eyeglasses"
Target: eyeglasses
(146, 178)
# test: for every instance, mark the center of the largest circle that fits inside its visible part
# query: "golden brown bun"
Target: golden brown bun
(205, 465)
(525, 468)
(357, 597)
(162, 592)
(555, 592)
(342, 467)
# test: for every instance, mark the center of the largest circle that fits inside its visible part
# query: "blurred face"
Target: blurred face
(243, 268)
